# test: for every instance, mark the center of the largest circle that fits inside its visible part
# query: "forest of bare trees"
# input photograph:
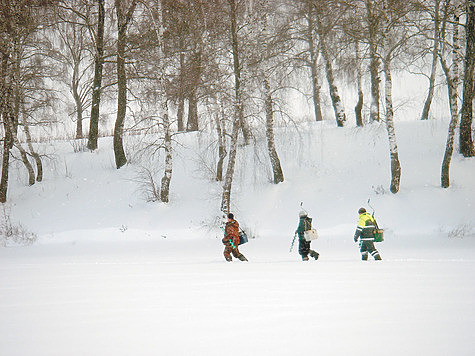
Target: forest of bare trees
(173, 66)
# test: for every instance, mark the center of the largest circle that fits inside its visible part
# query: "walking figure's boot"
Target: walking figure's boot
(242, 258)
(314, 254)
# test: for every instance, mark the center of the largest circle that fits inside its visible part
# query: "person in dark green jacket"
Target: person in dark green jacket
(365, 234)
(305, 224)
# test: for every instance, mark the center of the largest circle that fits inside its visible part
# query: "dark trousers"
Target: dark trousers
(367, 247)
(304, 247)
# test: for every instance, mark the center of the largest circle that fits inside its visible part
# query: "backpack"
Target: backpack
(376, 231)
(242, 237)
(309, 234)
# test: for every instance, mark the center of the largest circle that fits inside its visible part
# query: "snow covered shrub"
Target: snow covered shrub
(13, 234)
(461, 231)
(147, 184)
(79, 145)
(379, 190)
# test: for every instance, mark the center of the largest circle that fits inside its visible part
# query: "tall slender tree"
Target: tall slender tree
(97, 82)
(466, 140)
(452, 76)
(125, 10)
(435, 60)
(372, 19)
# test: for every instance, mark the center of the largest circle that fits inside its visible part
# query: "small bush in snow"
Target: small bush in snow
(79, 145)
(148, 186)
(379, 190)
(461, 231)
(14, 234)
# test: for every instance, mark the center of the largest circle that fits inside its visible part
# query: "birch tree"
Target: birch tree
(435, 60)
(238, 116)
(72, 29)
(163, 105)
(271, 44)
(311, 39)
(396, 37)
(19, 21)
(373, 25)
(466, 140)
(451, 72)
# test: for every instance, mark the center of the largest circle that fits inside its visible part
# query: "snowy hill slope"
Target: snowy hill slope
(112, 274)
(333, 171)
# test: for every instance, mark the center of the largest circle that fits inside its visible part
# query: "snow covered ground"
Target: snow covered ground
(112, 274)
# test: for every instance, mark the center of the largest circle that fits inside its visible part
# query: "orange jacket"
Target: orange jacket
(231, 231)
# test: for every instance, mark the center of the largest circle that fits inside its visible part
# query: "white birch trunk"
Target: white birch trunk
(452, 75)
(338, 108)
(228, 180)
(36, 156)
(238, 119)
(163, 109)
(393, 150)
(334, 95)
(274, 157)
(433, 72)
(313, 64)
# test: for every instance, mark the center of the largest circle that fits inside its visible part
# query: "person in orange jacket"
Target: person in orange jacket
(231, 240)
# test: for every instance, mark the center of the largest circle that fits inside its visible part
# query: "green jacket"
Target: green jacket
(305, 224)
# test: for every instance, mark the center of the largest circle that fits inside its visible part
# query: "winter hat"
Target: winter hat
(302, 213)
(361, 211)
(231, 216)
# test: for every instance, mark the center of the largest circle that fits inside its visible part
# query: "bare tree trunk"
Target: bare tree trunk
(97, 83)
(228, 180)
(192, 123)
(7, 146)
(274, 157)
(36, 156)
(167, 176)
(163, 109)
(338, 108)
(5, 165)
(15, 111)
(23, 154)
(466, 140)
(452, 75)
(395, 165)
(77, 100)
(237, 74)
(5, 91)
(181, 90)
(359, 84)
(238, 119)
(374, 61)
(313, 64)
(124, 15)
(433, 72)
(221, 130)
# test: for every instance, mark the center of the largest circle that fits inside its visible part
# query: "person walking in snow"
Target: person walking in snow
(365, 234)
(305, 224)
(231, 240)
